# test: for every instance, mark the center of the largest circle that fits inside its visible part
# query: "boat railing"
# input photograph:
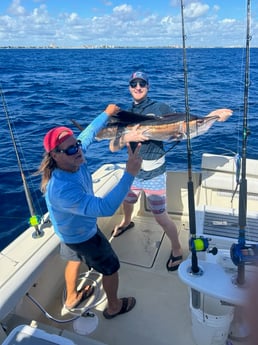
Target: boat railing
(217, 206)
(218, 182)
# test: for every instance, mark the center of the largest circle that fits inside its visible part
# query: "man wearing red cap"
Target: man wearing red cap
(73, 207)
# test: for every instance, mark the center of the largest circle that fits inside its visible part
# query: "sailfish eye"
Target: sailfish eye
(199, 122)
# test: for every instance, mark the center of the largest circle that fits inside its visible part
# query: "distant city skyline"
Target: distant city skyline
(95, 23)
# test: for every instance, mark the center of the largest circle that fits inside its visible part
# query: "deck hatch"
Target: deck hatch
(139, 245)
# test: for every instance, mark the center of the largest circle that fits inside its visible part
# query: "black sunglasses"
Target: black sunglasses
(71, 150)
(134, 83)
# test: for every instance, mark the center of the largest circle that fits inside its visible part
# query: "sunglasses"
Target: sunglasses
(134, 83)
(71, 150)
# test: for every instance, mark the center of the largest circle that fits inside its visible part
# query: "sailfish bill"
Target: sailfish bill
(170, 127)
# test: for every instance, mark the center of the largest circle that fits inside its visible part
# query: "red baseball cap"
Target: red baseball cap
(55, 137)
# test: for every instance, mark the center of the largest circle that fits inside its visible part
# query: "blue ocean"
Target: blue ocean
(44, 88)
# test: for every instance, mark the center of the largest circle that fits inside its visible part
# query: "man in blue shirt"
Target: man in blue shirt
(73, 207)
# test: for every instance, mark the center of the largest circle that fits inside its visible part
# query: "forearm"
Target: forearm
(116, 196)
(87, 136)
(93, 206)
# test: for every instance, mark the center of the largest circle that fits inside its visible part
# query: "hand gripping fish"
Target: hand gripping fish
(171, 127)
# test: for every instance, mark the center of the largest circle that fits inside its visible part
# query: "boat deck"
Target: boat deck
(162, 315)
(162, 312)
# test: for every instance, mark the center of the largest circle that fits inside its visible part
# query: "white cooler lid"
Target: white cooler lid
(26, 335)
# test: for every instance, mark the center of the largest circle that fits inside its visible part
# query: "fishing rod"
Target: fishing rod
(34, 219)
(191, 203)
(240, 253)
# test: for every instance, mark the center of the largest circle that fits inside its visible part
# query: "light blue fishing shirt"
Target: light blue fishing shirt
(72, 205)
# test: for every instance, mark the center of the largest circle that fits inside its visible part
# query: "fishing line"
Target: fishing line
(11, 217)
(237, 159)
(240, 92)
(171, 148)
(241, 89)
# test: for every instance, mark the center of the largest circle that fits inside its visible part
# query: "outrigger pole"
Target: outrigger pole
(34, 219)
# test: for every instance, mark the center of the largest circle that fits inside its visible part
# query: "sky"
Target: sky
(127, 23)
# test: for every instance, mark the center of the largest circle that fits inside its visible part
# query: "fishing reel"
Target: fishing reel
(244, 254)
(34, 221)
(201, 244)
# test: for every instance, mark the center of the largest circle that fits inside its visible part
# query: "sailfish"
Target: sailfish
(168, 128)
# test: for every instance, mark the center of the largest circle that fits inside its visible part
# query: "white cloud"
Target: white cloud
(7, 22)
(39, 15)
(73, 17)
(123, 9)
(228, 21)
(195, 10)
(123, 25)
(16, 9)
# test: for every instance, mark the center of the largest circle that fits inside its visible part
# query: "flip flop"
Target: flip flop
(86, 294)
(123, 229)
(127, 304)
(174, 259)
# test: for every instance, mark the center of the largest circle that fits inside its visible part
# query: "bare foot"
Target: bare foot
(81, 295)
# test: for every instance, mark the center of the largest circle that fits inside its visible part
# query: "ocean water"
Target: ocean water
(46, 88)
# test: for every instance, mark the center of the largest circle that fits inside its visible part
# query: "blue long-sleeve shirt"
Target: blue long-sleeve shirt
(72, 205)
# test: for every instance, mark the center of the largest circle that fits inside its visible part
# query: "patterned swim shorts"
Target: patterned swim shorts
(155, 191)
